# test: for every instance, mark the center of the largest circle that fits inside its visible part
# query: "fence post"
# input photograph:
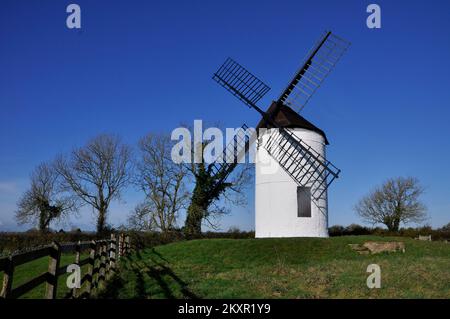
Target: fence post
(7, 279)
(99, 258)
(112, 252)
(90, 271)
(127, 244)
(77, 262)
(53, 265)
(120, 245)
(102, 264)
(96, 271)
(107, 245)
(105, 256)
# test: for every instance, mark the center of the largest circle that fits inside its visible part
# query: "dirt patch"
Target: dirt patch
(374, 247)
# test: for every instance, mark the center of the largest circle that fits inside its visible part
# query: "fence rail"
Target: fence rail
(101, 262)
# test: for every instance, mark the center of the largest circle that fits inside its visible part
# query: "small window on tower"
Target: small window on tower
(303, 201)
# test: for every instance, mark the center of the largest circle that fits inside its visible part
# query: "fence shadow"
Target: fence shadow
(165, 270)
(155, 268)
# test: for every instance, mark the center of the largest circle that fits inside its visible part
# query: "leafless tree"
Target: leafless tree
(163, 183)
(44, 202)
(141, 218)
(395, 202)
(97, 173)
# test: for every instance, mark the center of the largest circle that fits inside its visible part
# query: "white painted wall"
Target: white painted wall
(276, 196)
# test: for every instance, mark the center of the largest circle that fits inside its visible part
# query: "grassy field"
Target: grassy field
(282, 268)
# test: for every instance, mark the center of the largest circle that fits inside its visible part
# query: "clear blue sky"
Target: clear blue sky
(142, 66)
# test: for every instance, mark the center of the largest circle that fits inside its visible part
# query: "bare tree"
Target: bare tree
(141, 218)
(395, 202)
(97, 173)
(163, 183)
(44, 202)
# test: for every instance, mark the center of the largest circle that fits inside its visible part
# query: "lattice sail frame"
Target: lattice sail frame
(319, 62)
(304, 164)
(240, 82)
(237, 148)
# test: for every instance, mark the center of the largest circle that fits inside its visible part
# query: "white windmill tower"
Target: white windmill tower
(283, 208)
(292, 172)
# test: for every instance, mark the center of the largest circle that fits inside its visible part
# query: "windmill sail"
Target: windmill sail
(318, 64)
(240, 82)
(306, 166)
(231, 155)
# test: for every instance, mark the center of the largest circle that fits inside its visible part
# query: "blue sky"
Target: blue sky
(145, 66)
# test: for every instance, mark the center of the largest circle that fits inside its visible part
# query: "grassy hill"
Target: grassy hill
(282, 268)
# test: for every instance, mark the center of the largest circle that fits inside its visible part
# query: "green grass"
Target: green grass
(32, 269)
(281, 268)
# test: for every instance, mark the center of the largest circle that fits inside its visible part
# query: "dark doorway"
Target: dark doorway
(303, 201)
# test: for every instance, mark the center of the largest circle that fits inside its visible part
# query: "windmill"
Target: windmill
(290, 201)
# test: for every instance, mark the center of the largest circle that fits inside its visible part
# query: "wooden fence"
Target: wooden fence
(101, 263)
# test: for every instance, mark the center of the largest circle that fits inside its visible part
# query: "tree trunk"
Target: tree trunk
(193, 224)
(101, 220)
(208, 188)
(396, 225)
(197, 210)
(42, 223)
(393, 224)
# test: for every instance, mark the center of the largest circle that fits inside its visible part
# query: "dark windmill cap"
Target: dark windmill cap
(286, 117)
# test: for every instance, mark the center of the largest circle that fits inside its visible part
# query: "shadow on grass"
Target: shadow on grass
(112, 288)
(163, 270)
(159, 255)
(157, 271)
